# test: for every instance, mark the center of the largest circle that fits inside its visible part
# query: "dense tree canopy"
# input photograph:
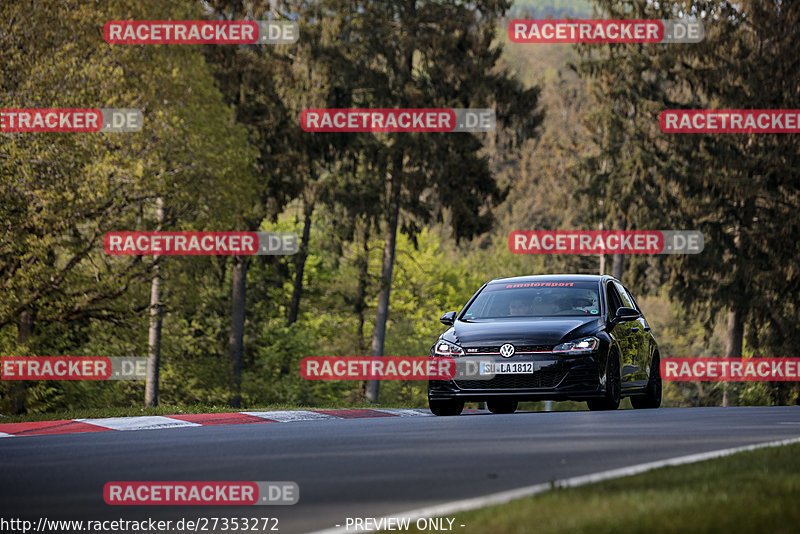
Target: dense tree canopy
(395, 228)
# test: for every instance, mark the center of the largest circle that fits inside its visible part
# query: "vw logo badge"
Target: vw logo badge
(507, 350)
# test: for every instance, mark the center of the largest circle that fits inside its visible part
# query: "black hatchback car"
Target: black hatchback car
(553, 337)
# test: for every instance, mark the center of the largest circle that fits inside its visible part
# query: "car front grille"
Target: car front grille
(495, 349)
(545, 378)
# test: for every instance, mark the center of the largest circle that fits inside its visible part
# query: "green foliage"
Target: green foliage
(222, 146)
(551, 8)
(62, 192)
(735, 188)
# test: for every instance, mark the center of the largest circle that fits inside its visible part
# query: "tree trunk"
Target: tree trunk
(153, 341)
(361, 303)
(733, 343)
(154, 333)
(405, 75)
(300, 263)
(734, 336)
(618, 265)
(602, 257)
(19, 387)
(361, 291)
(238, 286)
(389, 243)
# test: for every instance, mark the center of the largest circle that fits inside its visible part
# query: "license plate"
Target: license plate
(512, 368)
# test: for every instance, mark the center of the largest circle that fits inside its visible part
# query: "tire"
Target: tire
(446, 407)
(613, 393)
(502, 406)
(652, 398)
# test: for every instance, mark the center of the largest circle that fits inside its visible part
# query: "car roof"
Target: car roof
(552, 277)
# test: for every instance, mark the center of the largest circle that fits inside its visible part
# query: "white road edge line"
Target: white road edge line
(503, 497)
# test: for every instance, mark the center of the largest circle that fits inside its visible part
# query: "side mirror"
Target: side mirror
(625, 314)
(448, 318)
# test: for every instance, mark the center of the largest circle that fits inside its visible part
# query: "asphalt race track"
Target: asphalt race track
(363, 467)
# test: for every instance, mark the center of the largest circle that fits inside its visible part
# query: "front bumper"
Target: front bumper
(559, 378)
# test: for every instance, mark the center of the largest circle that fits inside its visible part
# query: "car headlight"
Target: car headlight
(579, 346)
(445, 348)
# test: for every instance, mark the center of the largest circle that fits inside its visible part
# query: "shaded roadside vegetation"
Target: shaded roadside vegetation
(577, 146)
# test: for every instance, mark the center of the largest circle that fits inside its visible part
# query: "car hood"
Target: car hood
(527, 331)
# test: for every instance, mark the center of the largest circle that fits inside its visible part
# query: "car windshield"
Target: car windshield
(535, 299)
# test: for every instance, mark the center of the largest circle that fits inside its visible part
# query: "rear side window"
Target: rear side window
(626, 295)
(614, 300)
(625, 298)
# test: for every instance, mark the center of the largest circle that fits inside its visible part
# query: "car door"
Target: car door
(624, 336)
(640, 347)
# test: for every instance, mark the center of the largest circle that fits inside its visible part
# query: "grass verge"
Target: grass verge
(757, 491)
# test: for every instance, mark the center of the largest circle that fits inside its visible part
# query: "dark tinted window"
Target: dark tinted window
(535, 299)
(626, 299)
(614, 300)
